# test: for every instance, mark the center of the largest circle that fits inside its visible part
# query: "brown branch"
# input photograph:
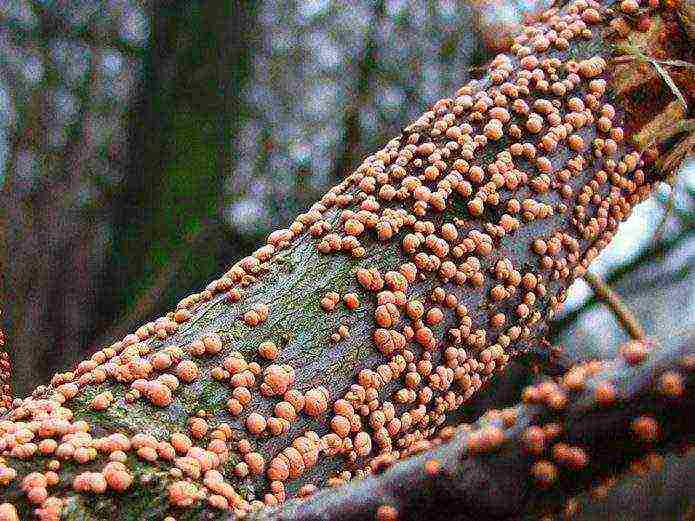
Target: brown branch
(622, 312)
(351, 337)
(532, 458)
(655, 486)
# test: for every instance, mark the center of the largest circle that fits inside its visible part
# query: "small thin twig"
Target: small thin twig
(668, 210)
(673, 63)
(626, 318)
(636, 54)
(667, 165)
(670, 163)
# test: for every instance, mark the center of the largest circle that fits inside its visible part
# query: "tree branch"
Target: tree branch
(621, 311)
(532, 458)
(352, 336)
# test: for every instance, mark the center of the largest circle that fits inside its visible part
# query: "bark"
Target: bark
(654, 487)
(490, 469)
(497, 248)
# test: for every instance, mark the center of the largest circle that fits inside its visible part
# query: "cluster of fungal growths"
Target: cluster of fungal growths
(346, 340)
(576, 433)
(5, 373)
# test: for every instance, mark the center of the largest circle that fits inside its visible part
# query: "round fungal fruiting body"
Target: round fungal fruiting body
(605, 394)
(315, 402)
(646, 428)
(182, 315)
(102, 401)
(199, 427)
(8, 512)
(670, 384)
(432, 467)
(159, 394)
(544, 472)
(187, 371)
(183, 493)
(363, 444)
(256, 423)
(255, 462)
(634, 352)
(117, 476)
(493, 130)
(212, 343)
(181, 442)
(352, 301)
(278, 470)
(434, 316)
(268, 350)
(386, 513)
(630, 7)
(340, 425)
(286, 411)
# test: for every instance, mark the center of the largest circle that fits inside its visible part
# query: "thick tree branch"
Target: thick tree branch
(653, 487)
(353, 335)
(533, 458)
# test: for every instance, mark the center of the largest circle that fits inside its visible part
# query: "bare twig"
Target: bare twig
(668, 165)
(626, 318)
(673, 63)
(636, 54)
(685, 147)
(668, 210)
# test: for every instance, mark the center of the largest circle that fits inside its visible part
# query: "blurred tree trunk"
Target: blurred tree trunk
(181, 136)
(45, 219)
(185, 106)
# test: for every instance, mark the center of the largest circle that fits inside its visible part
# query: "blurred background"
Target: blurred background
(147, 145)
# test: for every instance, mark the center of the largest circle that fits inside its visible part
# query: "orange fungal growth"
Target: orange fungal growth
(187, 371)
(544, 472)
(8, 512)
(5, 372)
(268, 350)
(183, 493)
(316, 401)
(386, 513)
(430, 268)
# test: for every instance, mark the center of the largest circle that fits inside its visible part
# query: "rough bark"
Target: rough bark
(654, 487)
(532, 459)
(458, 242)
